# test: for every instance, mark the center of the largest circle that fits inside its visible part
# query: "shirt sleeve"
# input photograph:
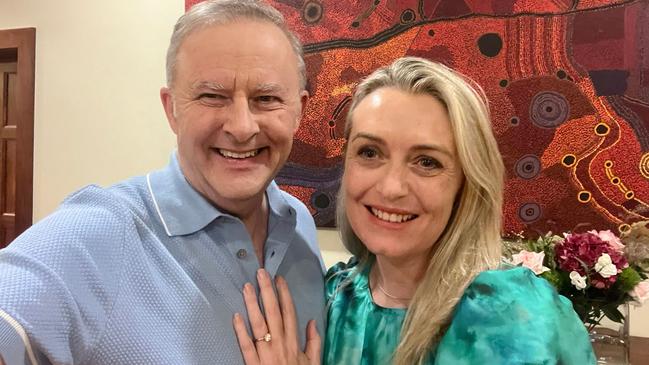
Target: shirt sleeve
(15, 348)
(513, 317)
(58, 281)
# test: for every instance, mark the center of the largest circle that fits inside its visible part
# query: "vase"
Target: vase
(610, 340)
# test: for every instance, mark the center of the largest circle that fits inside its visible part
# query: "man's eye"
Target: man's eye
(428, 163)
(209, 96)
(368, 153)
(268, 99)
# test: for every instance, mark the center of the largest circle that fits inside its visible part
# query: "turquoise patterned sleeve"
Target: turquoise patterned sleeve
(334, 276)
(513, 317)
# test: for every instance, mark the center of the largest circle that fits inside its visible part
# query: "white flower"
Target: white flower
(530, 260)
(605, 267)
(577, 280)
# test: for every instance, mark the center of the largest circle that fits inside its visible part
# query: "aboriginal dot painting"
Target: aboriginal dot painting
(567, 80)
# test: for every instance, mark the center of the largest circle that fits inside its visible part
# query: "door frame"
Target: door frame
(22, 42)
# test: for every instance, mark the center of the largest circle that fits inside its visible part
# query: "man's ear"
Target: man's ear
(167, 99)
(304, 100)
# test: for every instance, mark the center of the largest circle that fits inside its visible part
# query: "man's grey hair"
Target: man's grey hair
(218, 12)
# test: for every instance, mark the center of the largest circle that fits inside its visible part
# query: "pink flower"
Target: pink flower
(580, 252)
(610, 238)
(640, 292)
(530, 260)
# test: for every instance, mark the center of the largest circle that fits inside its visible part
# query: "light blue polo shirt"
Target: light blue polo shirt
(147, 272)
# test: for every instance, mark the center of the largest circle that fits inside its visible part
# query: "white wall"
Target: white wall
(99, 66)
(98, 119)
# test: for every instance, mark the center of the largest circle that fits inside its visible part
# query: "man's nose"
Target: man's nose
(241, 124)
(394, 183)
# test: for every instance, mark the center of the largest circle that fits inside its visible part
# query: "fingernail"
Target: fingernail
(279, 280)
(237, 316)
(261, 273)
(247, 287)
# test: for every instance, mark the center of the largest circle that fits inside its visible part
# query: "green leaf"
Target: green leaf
(613, 314)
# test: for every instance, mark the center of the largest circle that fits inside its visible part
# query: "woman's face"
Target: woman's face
(402, 173)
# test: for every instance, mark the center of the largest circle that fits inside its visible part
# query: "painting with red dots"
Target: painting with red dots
(567, 80)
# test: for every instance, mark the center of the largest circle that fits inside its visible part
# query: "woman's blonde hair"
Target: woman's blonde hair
(471, 241)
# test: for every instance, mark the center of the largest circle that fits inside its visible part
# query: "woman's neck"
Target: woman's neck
(394, 283)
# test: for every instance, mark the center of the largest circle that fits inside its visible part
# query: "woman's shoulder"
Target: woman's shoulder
(498, 292)
(338, 273)
(513, 314)
(509, 282)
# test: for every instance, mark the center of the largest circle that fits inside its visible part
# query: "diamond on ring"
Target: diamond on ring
(265, 338)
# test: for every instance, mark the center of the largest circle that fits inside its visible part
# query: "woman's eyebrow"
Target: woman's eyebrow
(432, 147)
(369, 136)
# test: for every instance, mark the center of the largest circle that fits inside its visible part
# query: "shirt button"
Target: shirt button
(242, 254)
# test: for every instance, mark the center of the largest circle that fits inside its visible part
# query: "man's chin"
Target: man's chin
(237, 190)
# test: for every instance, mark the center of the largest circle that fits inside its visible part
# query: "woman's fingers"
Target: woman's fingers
(288, 313)
(256, 318)
(248, 349)
(274, 318)
(313, 346)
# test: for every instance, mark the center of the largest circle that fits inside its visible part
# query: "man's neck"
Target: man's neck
(256, 223)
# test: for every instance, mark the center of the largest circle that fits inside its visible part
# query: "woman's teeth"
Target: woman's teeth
(391, 217)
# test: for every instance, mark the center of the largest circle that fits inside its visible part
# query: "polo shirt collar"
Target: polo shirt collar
(183, 210)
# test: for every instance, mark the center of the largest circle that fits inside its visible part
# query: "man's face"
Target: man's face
(234, 106)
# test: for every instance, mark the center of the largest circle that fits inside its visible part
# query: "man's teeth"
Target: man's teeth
(230, 154)
(391, 217)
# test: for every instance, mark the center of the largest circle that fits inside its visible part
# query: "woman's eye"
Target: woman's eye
(368, 153)
(428, 163)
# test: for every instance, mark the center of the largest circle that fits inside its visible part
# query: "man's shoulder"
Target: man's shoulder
(92, 214)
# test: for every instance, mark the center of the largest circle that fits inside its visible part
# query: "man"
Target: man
(150, 271)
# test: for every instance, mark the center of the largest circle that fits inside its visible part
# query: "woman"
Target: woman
(420, 208)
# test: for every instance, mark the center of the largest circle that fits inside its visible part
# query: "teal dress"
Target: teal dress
(505, 316)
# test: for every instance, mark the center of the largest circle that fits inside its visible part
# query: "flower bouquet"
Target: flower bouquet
(596, 270)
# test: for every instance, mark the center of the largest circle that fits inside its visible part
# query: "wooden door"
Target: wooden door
(8, 150)
(16, 131)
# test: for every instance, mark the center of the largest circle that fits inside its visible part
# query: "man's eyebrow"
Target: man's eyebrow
(270, 88)
(208, 85)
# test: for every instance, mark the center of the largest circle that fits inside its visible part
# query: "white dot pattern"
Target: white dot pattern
(100, 282)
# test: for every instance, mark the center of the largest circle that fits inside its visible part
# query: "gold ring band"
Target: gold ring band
(265, 338)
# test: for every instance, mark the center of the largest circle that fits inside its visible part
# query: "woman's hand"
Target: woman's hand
(276, 336)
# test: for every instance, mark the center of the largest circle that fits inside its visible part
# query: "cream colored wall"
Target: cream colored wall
(99, 67)
(98, 119)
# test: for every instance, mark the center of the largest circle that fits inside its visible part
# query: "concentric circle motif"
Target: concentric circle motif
(624, 228)
(528, 167)
(569, 160)
(602, 129)
(629, 195)
(549, 109)
(584, 196)
(644, 165)
(312, 12)
(320, 200)
(408, 16)
(529, 212)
